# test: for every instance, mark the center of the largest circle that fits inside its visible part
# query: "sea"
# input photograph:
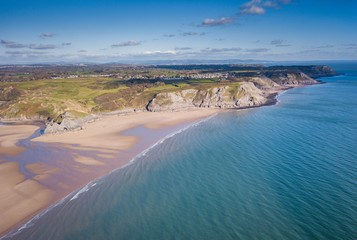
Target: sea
(287, 171)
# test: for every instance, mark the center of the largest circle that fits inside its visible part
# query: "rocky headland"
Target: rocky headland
(257, 92)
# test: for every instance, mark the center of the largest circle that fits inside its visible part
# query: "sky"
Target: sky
(43, 31)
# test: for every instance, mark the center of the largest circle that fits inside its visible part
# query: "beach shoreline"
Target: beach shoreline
(93, 154)
(108, 130)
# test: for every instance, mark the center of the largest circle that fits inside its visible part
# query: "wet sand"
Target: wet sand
(11, 134)
(46, 169)
(19, 197)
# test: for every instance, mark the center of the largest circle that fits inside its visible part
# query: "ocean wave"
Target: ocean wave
(83, 190)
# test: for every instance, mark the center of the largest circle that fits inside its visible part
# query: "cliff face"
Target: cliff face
(246, 94)
(291, 79)
(172, 101)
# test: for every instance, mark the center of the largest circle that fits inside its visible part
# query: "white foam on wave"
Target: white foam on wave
(85, 189)
(277, 97)
(75, 194)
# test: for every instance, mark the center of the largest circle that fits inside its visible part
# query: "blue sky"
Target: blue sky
(119, 31)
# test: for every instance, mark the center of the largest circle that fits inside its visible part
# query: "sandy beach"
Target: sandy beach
(19, 197)
(46, 169)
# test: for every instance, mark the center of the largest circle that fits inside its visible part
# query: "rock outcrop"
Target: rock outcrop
(66, 122)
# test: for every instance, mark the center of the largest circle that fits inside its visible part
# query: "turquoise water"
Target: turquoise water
(287, 171)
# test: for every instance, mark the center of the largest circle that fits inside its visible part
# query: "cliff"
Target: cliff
(258, 91)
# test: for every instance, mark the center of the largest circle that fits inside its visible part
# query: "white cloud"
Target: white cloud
(253, 10)
(25, 53)
(221, 50)
(258, 7)
(11, 44)
(42, 46)
(47, 35)
(279, 43)
(257, 50)
(158, 53)
(185, 34)
(130, 43)
(183, 48)
(217, 22)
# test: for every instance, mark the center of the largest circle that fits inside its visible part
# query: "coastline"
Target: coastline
(88, 159)
(115, 143)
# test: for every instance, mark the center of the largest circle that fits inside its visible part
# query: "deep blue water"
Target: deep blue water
(287, 171)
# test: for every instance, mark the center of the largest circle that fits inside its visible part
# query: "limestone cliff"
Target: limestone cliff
(245, 94)
(172, 101)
